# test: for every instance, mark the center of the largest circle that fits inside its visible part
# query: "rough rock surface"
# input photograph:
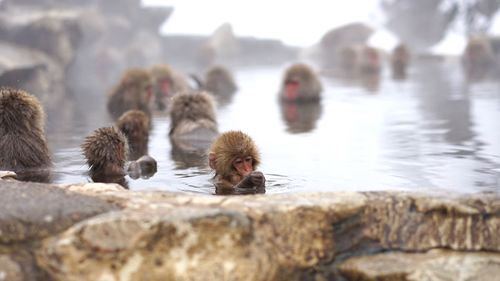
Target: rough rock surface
(104, 232)
(30, 212)
(438, 265)
(164, 236)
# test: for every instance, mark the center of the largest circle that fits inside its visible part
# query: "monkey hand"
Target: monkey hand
(254, 179)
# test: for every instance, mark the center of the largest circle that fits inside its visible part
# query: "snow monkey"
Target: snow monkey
(134, 91)
(23, 145)
(235, 158)
(135, 125)
(300, 84)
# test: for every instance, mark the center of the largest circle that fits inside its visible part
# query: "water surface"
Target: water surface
(430, 132)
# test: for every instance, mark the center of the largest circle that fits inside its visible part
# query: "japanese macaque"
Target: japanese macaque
(134, 91)
(235, 158)
(193, 127)
(369, 60)
(23, 146)
(400, 59)
(300, 84)
(478, 58)
(348, 58)
(166, 83)
(192, 116)
(106, 151)
(135, 125)
(219, 81)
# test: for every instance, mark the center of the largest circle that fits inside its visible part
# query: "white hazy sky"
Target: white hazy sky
(295, 22)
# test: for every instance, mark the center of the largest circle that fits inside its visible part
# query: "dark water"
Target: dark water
(431, 132)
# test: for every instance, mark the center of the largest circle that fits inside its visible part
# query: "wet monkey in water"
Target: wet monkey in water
(300, 84)
(23, 145)
(478, 58)
(400, 58)
(134, 91)
(135, 125)
(192, 114)
(219, 81)
(166, 83)
(106, 151)
(235, 158)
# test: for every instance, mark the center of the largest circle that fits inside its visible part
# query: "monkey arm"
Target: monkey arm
(255, 179)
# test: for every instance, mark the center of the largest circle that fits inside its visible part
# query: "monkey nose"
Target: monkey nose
(246, 169)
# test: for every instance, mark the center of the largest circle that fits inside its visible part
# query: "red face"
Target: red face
(149, 93)
(165, 87)
(243, 165)
(292, 89)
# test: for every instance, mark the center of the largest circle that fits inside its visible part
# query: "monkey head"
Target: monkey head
(218, 80)
(162, 78)
(136, 81)
(135, 124)
(106, 151)
(233, 153)
(20, 112)
(192, 106)
(300, 83)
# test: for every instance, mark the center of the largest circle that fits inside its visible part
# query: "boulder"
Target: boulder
(30, 212)
(434, 265)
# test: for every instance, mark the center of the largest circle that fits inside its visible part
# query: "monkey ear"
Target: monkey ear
(211, 160)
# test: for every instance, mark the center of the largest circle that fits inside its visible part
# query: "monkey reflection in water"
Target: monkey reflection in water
(106, 151)
(300, 98)
(23, 146)
(193, 126)
(235, 158)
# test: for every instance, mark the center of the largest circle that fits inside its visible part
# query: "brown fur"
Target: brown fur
(369, 60)
(160, 72)
(130, 93)
(191, 111)
(399, 61)
(219, 81)
(226, 148)
(478, 57)
(23, 146)
(106, 151)
(310, 86)
(135, 125)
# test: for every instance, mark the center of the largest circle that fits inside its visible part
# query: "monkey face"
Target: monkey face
(148, 92)
(292, 87)
(243, 165)
(165, 86)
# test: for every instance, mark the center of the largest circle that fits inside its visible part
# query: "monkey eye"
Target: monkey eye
(238, 161)
(248, 159)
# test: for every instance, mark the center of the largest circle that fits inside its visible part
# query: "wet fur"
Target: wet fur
(192, 111)
(106, 152)
(226, 148)
(399, 60)
(310, 86)
(219, 81)
(135, 125)
(23, 144)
